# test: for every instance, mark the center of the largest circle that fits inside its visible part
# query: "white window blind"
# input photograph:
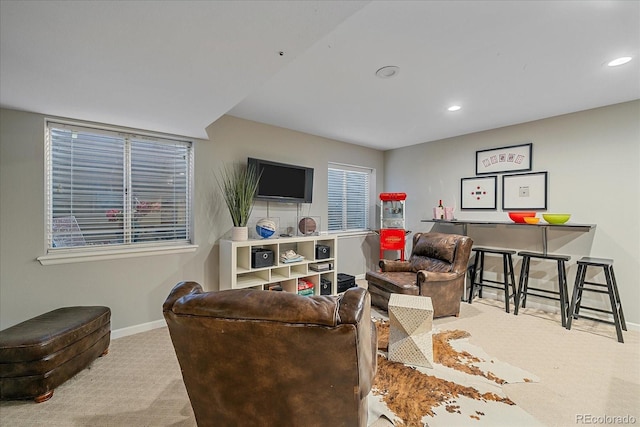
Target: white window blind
(106, 187)
(348, 198)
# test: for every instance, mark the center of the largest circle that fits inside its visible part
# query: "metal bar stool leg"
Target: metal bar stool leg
(524, 277)
(577, 294)
(481, 278)
(472, 288)
(614, 305)
(471, 275)
(564, 299)
(505, 268)
(513, 279)
(582, 268)
(525, 289)
(615, 290)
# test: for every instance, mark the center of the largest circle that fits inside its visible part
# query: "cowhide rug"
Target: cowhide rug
(463, 388)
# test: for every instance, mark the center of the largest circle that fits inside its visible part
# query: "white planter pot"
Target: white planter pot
(240, 233)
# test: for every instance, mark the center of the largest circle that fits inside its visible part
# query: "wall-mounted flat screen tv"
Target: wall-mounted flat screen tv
(280, 182)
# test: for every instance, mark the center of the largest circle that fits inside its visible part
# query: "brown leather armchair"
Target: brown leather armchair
(436, 269)
(268, 358)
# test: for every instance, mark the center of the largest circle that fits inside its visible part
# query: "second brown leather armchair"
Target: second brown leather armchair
(267, 358)
(436, 269)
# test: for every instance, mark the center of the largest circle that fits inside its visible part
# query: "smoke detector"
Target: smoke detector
(388, 72)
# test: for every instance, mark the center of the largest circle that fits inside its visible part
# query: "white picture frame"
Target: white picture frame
(524, 191)
(505, 159)
(478, 193)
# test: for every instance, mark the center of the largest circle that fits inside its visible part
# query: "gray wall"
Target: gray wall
(592, 157)
(593, 161)
(135, 288)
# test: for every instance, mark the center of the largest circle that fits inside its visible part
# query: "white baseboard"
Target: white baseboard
(136, 329)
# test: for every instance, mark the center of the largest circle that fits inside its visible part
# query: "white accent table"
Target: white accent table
(410, 330)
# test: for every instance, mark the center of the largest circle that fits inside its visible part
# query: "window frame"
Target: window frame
(370, 195)
(70, 254)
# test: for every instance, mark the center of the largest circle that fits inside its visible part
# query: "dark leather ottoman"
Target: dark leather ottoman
(39, 354)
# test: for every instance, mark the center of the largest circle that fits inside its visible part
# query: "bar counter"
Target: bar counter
(543, 226)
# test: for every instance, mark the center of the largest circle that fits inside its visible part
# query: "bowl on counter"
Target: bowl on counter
(531, 219)
(520, 216)
(556, 218)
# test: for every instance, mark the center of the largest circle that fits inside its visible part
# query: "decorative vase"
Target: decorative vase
(240, 233)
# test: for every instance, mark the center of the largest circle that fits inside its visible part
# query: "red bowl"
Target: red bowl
(519, 216)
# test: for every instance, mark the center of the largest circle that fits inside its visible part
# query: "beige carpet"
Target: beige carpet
(584, 372)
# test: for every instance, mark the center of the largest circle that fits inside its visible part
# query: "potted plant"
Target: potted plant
(238, 184)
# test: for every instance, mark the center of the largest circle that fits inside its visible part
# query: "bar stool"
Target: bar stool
(524, 289)
(479, 281)
(611, 289)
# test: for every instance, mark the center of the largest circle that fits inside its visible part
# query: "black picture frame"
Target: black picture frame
(513, 158)
(525, 191)
(479, 193)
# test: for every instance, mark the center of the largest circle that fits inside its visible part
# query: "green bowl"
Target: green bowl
(556, 218)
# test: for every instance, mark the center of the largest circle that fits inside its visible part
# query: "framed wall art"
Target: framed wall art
(506, 159)
(478, 192)
(524, 191)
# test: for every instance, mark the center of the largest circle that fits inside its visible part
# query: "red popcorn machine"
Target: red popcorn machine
(392, 223)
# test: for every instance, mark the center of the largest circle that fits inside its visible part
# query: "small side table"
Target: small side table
(410, 330)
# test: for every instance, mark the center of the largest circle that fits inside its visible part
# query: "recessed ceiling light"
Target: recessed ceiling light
(454, 108)
(619, 61)
(388, 72)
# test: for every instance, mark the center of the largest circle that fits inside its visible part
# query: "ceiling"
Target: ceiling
(310, 66)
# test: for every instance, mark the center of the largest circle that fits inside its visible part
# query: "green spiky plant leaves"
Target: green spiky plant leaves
(238, 184)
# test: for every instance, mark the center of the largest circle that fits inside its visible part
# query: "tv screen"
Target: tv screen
(280, 182)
